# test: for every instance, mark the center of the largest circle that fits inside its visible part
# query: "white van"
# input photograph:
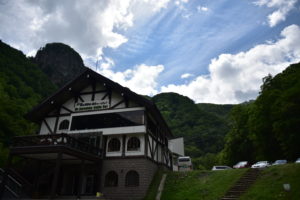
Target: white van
(184, 163)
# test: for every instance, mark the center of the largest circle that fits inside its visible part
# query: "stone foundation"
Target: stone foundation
(143, 166)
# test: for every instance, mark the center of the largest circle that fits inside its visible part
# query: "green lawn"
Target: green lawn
(199, 185)
(270, 185)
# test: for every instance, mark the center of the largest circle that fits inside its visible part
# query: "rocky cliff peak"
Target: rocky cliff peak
(60, 62)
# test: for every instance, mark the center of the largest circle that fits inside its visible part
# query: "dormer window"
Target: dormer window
(64, 125)
(133, 144)
(114, 145)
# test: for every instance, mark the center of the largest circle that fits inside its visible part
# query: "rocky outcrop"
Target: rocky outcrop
(59, 62)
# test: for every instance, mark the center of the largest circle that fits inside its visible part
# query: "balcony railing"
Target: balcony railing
(54, 140)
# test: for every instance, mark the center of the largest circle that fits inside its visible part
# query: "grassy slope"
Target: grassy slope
(206, 185)
(152, 190)
(270, 184)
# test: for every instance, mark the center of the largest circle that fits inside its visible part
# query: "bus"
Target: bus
(185, 163)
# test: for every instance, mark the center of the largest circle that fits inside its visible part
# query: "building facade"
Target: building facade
(95, 136)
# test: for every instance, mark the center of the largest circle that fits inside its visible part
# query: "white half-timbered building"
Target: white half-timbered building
(95, 136)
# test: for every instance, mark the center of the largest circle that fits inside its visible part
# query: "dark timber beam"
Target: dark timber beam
(126, 102)
(146, 144)
(94, 90)
(67, 109)
(79, 186)
(56, 176)
(98, 177)
(120, 102)
(156, 150)
(36, 177)
(106, 95)
(123, 145)
(61, 115)
(56, 120)
(48, 127)
(153, 149)
(104, 146)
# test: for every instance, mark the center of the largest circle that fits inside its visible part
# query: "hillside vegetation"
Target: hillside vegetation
(195, 185)
(270, 185)
(268, 128)
(212, 185)
(203, 126)
(22, 86)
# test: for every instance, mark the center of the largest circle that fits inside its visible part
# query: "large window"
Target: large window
(114, 145)
(64, 125)
(107, 120)
(111, 179)
(132, 178)
(133, 144)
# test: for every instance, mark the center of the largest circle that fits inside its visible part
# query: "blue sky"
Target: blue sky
(210, 51)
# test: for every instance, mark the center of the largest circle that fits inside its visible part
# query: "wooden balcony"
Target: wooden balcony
(46, 147)
(59, 154)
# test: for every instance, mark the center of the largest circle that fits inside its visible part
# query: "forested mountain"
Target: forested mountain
(203, 126)
(59, 62)
(220, 110)
(269, 127)
(22, 86)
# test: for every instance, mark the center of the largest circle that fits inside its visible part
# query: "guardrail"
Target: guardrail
(55, 139)
(13, 186)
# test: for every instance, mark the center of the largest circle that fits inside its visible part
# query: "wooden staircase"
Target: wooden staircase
(242, 185)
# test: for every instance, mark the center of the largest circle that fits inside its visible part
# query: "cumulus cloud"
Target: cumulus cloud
(142, 79)
(186, 75)
(234, 78)
(202, 9)
(88, 26)
(283, 7)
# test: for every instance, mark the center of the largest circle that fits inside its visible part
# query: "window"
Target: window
(111, 179)
(108, 120)
(64, 125)
(114, 145)
(133, 144)
(132, 178)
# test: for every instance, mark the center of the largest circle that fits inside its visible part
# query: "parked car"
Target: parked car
(280, 162)
(261, 164)
(241, 164)
(298, 160)
(220, 168)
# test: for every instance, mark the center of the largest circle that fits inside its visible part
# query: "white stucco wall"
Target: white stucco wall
(177, 146)
(141, 151)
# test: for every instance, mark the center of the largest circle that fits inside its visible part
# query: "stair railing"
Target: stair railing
(13, 186)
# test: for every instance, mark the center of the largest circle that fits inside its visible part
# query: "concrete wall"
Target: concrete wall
(145, 168)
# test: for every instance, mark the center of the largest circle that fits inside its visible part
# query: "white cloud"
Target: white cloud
(186, 75)
(178, 2)
(235, 78)
(283, 7)
(142, 79)
(202, 9)
(88, 26)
